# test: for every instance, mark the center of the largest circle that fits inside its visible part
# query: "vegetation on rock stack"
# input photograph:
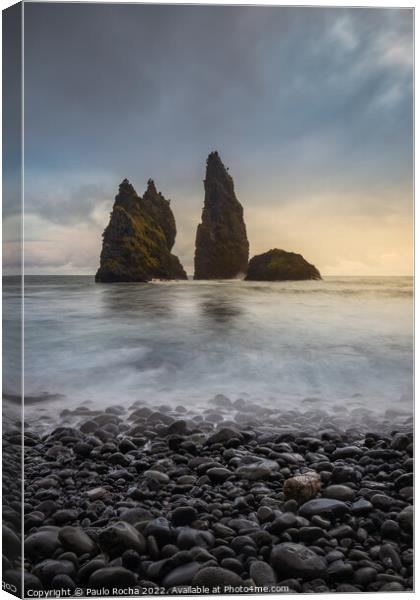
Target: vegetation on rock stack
(279, 265)
(221, 243)
(138, 240)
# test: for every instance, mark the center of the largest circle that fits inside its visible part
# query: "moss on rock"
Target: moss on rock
(279, 265)
(138, 240)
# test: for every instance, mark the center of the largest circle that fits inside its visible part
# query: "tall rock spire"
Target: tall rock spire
(222, 247)
(138, 240)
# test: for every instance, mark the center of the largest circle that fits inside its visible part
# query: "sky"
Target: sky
(310, 108)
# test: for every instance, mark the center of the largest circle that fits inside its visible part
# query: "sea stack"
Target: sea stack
(279, 265)
(138, 240)
(221, 247)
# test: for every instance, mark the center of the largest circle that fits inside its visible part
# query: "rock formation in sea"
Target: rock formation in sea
(279, 265)
(221, 247)
(138, 240)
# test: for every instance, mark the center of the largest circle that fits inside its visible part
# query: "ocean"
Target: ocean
(337, 341)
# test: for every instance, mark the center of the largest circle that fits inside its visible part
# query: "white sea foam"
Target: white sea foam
(184, 342)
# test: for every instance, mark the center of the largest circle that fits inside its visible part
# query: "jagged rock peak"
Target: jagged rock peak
(138, 239)
(216, 171)
(125, 187)
(221, 242)
(279, 265)
(151, 187)
(158, 206)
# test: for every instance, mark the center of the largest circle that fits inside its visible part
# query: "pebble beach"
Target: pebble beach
(174, 500)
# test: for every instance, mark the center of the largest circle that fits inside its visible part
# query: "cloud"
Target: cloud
(302, 103)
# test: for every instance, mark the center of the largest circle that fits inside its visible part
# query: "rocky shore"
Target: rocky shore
(236, 497)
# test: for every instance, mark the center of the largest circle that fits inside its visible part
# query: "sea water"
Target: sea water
(281, 343)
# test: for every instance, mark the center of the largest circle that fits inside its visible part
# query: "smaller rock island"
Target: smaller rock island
(279, 265)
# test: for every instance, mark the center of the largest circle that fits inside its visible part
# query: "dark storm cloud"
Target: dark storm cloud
(298, 101)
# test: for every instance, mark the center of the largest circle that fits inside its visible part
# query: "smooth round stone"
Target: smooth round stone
(184, 515)
(294, 560)
(121, 536)
(93, 565)
(135, 515)
(392, 586)
(347, 588)
(339, 492)
(365, 576)
(212, 576)
(390, 557)
(42, 544)
(232, 564)
(178, 427)
(119, 459)
(339, 570)
(323, 506)
(218, 474)
(188, 538)
(346, 452)
(157, 476)
(405, 519)
(76, 540)
(400, 441)
(126, 445)
(382, 502)
(63, 582)
(258, 470)
(222, 531)
(130, 560)
(407, 493)
(181, 575)
(264, 514)
(11, 542)
(111, 577)
(262, 573)
(361, 507)
(96, 493)
(282, 523)
(222, 436)
(344, 473)
(390, 529)
(160, 530)
(64, 516)
(49, 568)
(309, 535)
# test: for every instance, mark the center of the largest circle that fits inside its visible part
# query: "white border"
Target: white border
(320, 3)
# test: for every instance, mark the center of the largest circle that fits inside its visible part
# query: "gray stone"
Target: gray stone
(157, 476)
(405, 519)
(223, 435)
(42, 544)
(262, 573)
(11, 543)
(76, 540)
(339, 492)
(212, 576)
(295, 560)
(259, 470)
(121, 536)
(181, 575)
(346, 452)
(323, 506)
(111, 577)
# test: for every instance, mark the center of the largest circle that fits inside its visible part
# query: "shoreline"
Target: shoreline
(170, 498)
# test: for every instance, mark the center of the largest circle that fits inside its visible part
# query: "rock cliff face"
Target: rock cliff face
(138, 240)
(221, 243)
(279, 265)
